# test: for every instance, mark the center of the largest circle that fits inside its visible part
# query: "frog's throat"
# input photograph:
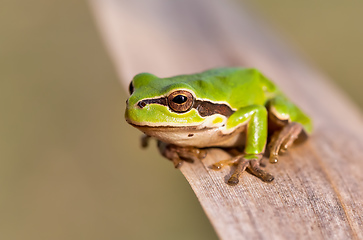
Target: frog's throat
(204, 108)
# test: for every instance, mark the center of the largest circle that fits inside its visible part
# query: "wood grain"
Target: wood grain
(318, 188)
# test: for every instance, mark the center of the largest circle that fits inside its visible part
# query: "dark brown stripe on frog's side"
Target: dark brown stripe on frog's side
(204, 108)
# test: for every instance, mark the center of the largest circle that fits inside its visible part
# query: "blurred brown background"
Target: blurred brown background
(69, 160)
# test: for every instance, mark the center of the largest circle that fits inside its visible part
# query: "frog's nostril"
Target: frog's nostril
(141, 104)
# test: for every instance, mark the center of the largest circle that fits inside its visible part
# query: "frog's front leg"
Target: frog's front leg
(179, 154)
(254, 117)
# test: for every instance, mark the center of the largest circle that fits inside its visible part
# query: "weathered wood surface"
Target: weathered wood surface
(318, 188)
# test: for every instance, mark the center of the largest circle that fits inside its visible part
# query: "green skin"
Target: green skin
(247, 92)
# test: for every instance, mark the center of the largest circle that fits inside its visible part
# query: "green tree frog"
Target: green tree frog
(230, 108)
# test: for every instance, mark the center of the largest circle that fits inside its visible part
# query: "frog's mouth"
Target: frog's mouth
(167, 127)
(195, 136)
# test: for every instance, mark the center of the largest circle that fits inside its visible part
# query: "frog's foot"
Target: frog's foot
(243, 162)
(179, 154)
(281, 141)
(145, 140)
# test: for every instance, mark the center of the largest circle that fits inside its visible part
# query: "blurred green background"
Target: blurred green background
(69, 160)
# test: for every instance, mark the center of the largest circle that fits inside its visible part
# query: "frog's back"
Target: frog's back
(237, 86)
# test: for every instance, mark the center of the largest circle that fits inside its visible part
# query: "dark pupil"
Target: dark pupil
(180, 99)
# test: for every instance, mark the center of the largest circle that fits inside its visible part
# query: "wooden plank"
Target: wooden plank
(318, 188)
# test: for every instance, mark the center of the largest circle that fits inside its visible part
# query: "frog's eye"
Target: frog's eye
(131, 88)
(180, 101)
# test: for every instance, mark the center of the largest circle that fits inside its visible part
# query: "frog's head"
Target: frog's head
(157, 104)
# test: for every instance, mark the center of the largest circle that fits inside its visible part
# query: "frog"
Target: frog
(233, 108)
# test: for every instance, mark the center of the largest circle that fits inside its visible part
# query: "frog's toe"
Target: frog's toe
(177, 162)
(170, 153)
(274, 158)
(201, 153)
(241, 167)
(219, 165)
(233, 180)
(190, 154)
(145, 140)
(255, 168)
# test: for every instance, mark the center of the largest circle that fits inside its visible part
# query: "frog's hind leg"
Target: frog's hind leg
(284, 140)
(289, 123)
